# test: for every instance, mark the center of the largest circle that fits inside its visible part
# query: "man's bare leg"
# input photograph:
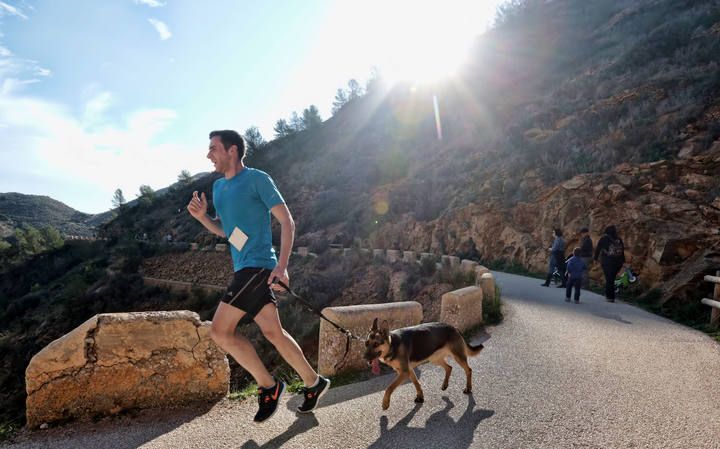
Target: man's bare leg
(222, 331)
(269, 322)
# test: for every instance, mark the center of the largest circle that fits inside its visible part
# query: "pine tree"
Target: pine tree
(184, 177)
(118, 199)
(355, 90)
(311, 117)
(282, 128)
(340, 100)
(254, 139)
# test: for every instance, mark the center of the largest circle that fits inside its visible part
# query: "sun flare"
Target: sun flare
(423, 42)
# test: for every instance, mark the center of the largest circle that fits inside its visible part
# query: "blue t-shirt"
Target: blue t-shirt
(244, 201)
(575, 267)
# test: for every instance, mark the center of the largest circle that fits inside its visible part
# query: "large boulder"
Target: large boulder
(120, 361)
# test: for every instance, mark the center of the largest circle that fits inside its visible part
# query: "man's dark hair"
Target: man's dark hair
(228, 137)
(577, 251)
(558, 232)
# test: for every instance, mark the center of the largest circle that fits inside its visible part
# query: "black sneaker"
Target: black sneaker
(268, 399)
(313, 394)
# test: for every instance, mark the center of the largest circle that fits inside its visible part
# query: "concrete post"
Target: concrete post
(409, 257)
(393, 255)
(468, 265)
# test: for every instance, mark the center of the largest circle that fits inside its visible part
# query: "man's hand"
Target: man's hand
(198, 205)
(281, 274)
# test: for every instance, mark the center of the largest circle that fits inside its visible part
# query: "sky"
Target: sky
(100, 95)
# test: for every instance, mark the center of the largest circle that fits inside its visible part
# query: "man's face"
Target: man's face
(218, 155)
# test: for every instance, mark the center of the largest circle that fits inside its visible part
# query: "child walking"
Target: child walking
(575, 268)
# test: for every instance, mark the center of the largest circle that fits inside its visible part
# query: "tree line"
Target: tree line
(310, 119)
(28, 241)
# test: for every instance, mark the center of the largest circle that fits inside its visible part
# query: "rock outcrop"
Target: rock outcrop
(667, 212)
(120, 361)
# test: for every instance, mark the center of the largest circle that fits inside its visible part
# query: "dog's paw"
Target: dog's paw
(444, 387)
(385, 405)
(419, 399)
(467, 391)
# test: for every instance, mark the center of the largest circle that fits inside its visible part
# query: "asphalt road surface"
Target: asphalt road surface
(552, 375)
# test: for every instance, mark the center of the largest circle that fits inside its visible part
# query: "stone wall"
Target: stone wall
(461, 308)
(120, 361)
(358, 320)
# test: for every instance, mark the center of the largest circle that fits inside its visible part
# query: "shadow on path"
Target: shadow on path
(127, 431)
(352, 391)
(610, 316)
(440, 429)
(302, 424)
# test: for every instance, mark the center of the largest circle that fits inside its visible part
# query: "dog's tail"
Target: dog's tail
(473, 350)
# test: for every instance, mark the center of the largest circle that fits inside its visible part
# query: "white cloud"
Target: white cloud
(15, 73)
(12, 66)
(161, 28)
(44, 140)
(150, 3)
(9, 9)
(96, 107)
(13, 85)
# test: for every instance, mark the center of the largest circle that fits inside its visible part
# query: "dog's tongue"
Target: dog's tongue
(375, 366)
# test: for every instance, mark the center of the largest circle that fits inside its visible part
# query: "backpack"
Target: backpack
(615, 248)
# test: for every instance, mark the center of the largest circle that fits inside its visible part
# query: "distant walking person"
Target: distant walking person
(586, 254)
(557, 258)
(244, 199)
(611, 252)
(575, 271)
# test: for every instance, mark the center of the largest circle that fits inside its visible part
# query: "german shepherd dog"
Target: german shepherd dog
(404, 349)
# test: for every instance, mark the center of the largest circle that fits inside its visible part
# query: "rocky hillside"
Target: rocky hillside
(668, 213)
(558, 89)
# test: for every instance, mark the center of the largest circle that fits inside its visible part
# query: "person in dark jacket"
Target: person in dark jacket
(557, 258)
(586, 254)
(611, 252)
(575, 272)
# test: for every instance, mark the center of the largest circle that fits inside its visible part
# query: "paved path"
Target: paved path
(553, 375)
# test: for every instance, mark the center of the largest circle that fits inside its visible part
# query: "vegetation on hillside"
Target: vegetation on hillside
(555, 89)
(18, 210)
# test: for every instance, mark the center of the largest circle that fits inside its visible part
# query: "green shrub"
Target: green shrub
(492, 308)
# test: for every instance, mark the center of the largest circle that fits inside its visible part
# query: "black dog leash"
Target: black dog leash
(349, 336)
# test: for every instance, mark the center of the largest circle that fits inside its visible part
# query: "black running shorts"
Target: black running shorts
(249, 291)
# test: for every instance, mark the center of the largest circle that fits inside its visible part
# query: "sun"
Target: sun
(424, 42)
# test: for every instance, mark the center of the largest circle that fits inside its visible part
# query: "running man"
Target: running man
(244, 199)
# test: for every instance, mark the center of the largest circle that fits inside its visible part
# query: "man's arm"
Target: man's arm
(198, 209)
(287, 237)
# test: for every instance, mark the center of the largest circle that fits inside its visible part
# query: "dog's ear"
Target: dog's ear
(374, 328)
(385, 327)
